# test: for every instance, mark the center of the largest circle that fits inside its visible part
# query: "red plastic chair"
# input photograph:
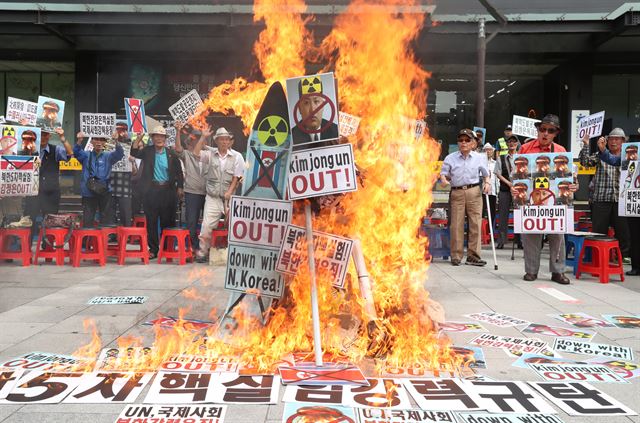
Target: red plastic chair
(602, 250)
(24, 253)
(140, 221)
(95, 246)
(54, 247)
(485, 234)
(110, 250)
(219, 238)
(134, 235)
(175, 244)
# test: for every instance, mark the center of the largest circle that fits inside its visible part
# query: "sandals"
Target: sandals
(475, 261)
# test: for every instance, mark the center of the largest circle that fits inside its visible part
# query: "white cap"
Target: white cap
(488, 146)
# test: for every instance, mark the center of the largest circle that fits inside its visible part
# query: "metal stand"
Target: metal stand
(315, 313)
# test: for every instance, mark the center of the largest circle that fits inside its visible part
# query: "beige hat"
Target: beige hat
(222, 132)
(158, 130)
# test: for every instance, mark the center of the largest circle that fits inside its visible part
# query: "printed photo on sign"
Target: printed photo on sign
(44, 362)
(175, 413)
(524, 126)
(624, 321)
(476, 417)
(199, 363)
(331, 253)
(134, 110)
(117, 300)
(461, 327)
(260, 222)
(381, 415)
(582, 320)
(170, 322)
(100, 125)
(252, 270)
(21, 111)
(50, 113)
(19, 176)
(8, 379)
(183, 109)
(482, 132)
(629, 201)
(591, 125)
(497, 319)
(381, 393)
(626, 369)
(109, 387)
(525, 345)
(20, 140)
(558, 332)
(313, 108)
(299, 412)
(605, 350)
(322, 171)
(347, 124)
(581, 399)
(125, 359)
(594, 373)
(43, 387)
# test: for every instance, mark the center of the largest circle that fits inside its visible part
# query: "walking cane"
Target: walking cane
(513, 247)
(493, 244)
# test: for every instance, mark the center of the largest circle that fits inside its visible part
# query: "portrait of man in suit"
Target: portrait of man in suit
(312, 127)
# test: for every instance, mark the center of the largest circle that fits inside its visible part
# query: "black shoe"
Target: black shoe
(455, 262)
(519, 245)
(560, 278)
(500, 246)
(530, 277)
(475, 261)
(633, 272)
(202, 259)
(152, 255)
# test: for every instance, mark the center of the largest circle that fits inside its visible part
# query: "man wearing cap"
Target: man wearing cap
(503, 170)
(491, 166)
(48, 199)
(121, 178)
(222, 168)
(631, 153)
(606, 190)
(161, 183)
(466, 171)
(312, 126)
(195, 192)
(548, 129)
(96, 166)
(502, 145)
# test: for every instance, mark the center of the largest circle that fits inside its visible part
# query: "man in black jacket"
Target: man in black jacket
(161, 184)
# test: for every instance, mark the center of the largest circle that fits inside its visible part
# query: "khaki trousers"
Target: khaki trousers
(213, 210)
(465, 202)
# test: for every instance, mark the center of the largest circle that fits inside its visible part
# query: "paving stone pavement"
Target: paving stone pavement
(42, 309)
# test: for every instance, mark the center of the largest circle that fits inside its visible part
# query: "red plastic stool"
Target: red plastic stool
(95, 246)
(219, 235)
(110, 250)
(54, 245)
(602, 248)
(140, 221)
(175, 243)
(485, 234)
(136, 236)
(24, 253)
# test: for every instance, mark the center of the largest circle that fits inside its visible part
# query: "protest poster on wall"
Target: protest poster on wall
(313, 108)
(331, 253)
(19, 176)
(175, 413)
(524, 126)
(322, 171)
(252, 270)
(99, 125)
(183, 109)
(50, 113)
(629, 202)
(544, 203)
(21, 111)
(604, 350)
(591, 125)
(593, 373)
(134, 110)
(347, 124)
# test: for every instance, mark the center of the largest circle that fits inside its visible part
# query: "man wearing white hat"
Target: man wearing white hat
(161, 184)
(222, 169)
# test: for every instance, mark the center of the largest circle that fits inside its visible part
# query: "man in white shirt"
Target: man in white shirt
(222, 169)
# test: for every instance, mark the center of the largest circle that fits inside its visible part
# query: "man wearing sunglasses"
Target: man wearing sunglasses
(548, 129)
(461, 169)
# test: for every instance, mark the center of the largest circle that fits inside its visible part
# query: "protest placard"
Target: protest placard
(461, 327)
(307, 412)
(175, 413)
(99, 125)
(19, 176)
(582, 320)
(497, 319)
(575, 140)
(330, 373)
(131, 299)
(475, 417)
(124, 164)
(558, 332)
(259, 222)
(313, 108)
(525, 345)
(594, 373)
(624, 368)
(347, 124)
(381, 415)
(183, 109)
(71, 164)
(604, 350)
(134, 110)
(524, 126)
(109, 388)
(199, 363)
(50, 113)
(170, 322)
(322, 171)
(20, 140)
(253, 270)
(482, 131)
(623, 321)
(21, 111)
(591, 125)
(124, 359)
(44, 361)
(331, 253)
(629, 201)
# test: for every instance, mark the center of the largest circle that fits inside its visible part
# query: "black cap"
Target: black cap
(550, 120)
(468, 132)
(508, 128)
(513, 137)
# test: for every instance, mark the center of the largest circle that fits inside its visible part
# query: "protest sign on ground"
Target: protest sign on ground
(571, 372)
(604, 350)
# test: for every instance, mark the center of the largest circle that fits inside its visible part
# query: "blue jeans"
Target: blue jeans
(194, 203)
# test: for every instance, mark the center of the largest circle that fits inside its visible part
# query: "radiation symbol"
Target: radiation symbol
(624, 365)
(541, 182)
(311, 85)
(9, 131)
(273, 131)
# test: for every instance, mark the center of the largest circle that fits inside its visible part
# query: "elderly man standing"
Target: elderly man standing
(548, 129)
(161, 184)
(604, 209)
(466, 171)
(222, 170)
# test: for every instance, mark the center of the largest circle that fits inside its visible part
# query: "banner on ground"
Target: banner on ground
(300, 412)
(497, 319)
(199, 363)
(381, 415)
(558, 332)
(570, 372)
(183, 109)
(50, 113)
(591, 348)
(581, 399)
(175, 413)
(19, 176)
(99, 125)
(524, 345)
(118, 300)
(629, 202)
(524, 126)
(44, 361)
(331, 253)
(21, 111)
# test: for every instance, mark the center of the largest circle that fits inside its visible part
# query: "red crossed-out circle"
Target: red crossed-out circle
(296, 110)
